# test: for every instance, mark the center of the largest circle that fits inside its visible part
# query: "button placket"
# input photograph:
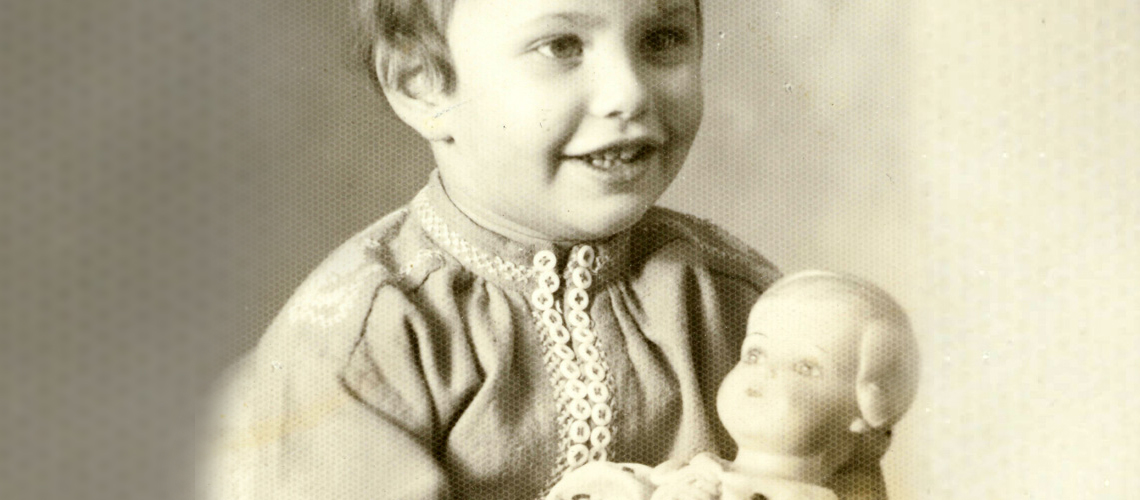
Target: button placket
(579, 278)
(571, 344)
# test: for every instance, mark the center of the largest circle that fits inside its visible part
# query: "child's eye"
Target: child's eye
(754, 355)
(565, 47)
(807, 369)
(664, 40)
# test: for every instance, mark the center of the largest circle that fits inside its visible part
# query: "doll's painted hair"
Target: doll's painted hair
(401, 36)
(887, 378)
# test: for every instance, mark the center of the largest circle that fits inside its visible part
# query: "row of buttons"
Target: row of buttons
(572, 343)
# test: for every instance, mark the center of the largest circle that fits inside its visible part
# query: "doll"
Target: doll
(828, 366)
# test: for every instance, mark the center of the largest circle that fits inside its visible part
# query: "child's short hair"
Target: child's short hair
(887, 377)
(399, 36)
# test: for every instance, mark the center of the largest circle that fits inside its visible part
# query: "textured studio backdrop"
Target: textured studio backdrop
(171, 170)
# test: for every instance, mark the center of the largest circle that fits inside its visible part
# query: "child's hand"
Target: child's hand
(604, 481)
(689, 483)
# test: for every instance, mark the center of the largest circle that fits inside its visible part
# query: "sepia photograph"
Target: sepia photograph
(569, 249)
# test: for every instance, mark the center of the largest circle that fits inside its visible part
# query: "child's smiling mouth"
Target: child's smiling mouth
(620, 162)
(610, 157)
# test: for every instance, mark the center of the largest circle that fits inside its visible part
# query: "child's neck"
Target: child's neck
(494, 222)
(758, 463)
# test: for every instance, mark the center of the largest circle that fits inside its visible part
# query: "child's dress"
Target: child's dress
(428, 357)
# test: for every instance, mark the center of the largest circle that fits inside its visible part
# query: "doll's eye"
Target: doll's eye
(754, 355)
(808, 368)
(564, 47)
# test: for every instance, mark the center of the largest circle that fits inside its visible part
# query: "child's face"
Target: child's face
(793, 391)
(545, 89)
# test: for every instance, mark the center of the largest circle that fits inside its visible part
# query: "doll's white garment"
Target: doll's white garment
(738, 486)
(605, 480)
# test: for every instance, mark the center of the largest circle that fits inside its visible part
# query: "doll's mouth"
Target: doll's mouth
(753, 392)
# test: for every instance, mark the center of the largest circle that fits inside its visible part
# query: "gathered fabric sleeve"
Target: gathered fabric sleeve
(338, 400)
(353, 426)
(415, 372)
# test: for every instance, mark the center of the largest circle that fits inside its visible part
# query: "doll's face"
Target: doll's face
(793, 391)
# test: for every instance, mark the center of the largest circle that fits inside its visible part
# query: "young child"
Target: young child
(528, 311)
(829, 363)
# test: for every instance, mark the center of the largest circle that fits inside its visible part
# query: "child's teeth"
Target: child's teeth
(611, 157)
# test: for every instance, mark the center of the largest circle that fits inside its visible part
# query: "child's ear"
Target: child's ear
(417, 98)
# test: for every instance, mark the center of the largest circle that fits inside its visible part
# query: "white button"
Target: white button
(601, 437)
(576, 318)
(577, 455)
(595, 372)
(584, 335)
(549, 280)
(560, 334)
(575, 389)
(569, 369)
(598, 392)
(580, 432)
(579, 409)
(563, 351)
(582, 277)
(586, 256)
(542, 299)
(551, 318)
(588, 352)
(599, 455)
(545, 260)
(578, 299)
(601, 414)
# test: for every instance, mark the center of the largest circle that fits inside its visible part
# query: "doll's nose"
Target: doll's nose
(763, 371)
(768, 371)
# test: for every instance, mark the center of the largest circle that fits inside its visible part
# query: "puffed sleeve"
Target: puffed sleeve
(334, 402)
(306, 425)
(415, 372)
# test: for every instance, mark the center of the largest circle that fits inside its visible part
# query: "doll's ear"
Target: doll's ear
(888, 372)
(874, 405)
(860, 426)
(417, 95)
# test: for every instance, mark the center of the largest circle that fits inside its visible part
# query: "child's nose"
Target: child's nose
(620, 89)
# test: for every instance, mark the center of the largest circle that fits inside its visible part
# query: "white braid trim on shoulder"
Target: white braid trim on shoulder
(470, 255)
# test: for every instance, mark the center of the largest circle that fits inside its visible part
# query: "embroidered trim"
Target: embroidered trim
(549, 360)
(415, 272)
(470, 255)
(574, 360)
